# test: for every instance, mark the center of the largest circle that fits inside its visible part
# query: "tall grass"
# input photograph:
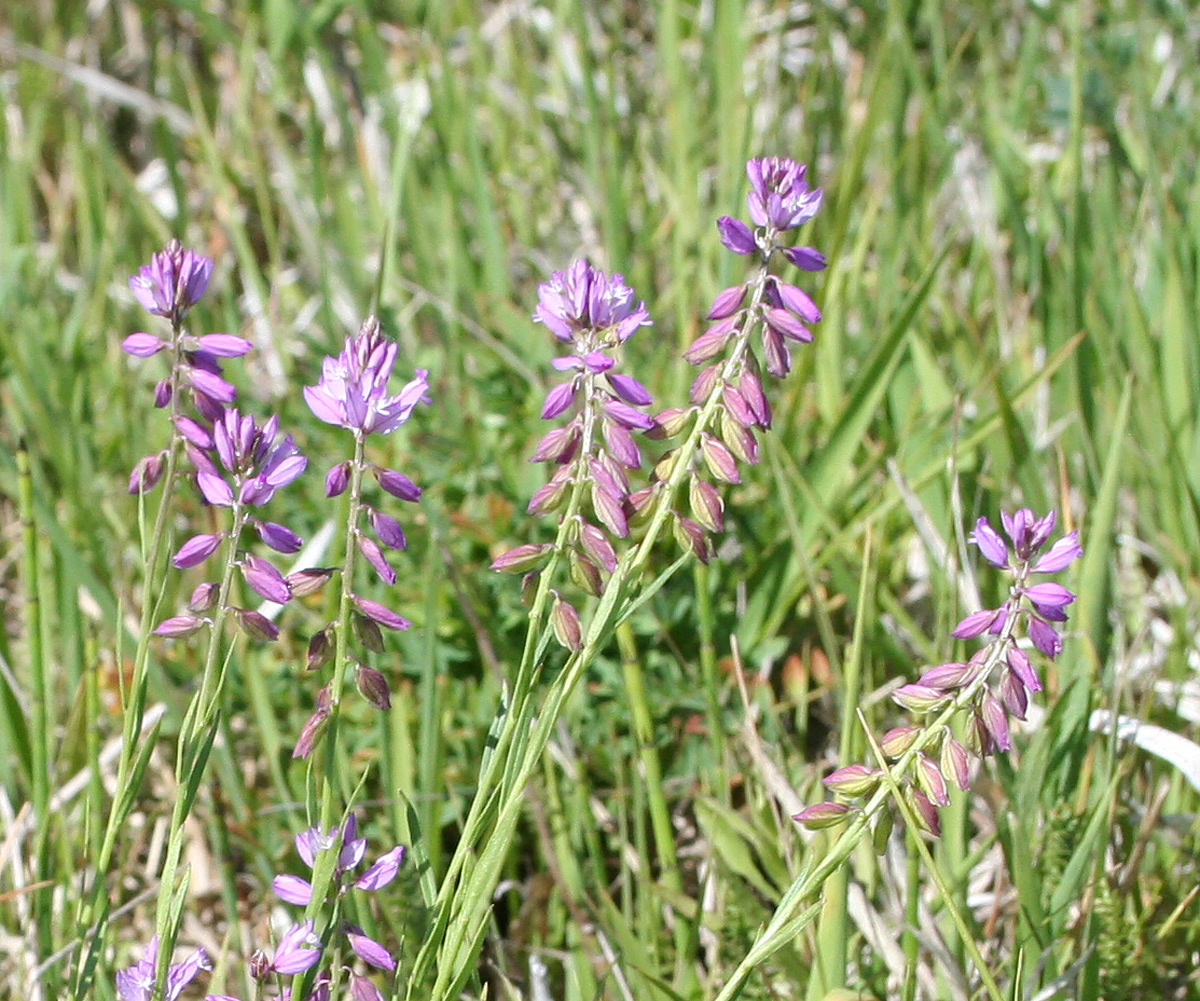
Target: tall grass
(1013, 229)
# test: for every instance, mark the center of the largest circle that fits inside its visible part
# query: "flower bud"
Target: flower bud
(521, 558)
(955, 762)
(258, 965)
(337, 479)
(585, 574)
(898, 740)
(255, 625)
(1019, 664)
(991, 712)
(551, 496)
(320, 650)
(265, 580)
(179, 626)
(740, 440)
(853, 780)
(147, 473)
(727, 302)
(1014, 695)
(565, 621)
(309, 580)
(668, 423)
(703, 385)
(976, 624)
(751, 389)
(919, 698)
(709, 344)
(926, 812)
(719, 459)
(736, 406)
(366, 631)
(931, 780)
(691, 536)
(642, 504)
(204, 598)
(946, 677)
(706, 504)
(882, 831)
(372, 686)
(397, 484)
(197, 549)
(608, 508)
(821, 815)
(557, 444)
(597, 546)
(380, 613)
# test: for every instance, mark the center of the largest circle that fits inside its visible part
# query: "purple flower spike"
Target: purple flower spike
(172, 283)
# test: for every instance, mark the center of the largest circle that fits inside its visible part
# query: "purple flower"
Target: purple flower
(136, 983)
(779, 197)
(295, 890)
(257, 463)
(352, 392)
(779, 200)
(368, 950)
(172, 282)
(196, 550)
(585, 304)
(1047, 601)
(298, 950)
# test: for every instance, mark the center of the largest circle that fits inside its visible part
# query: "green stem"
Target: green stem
(785, 922)
(329, 813)
(195, 740)
(686, 930)
(464, 895)
(93, 915)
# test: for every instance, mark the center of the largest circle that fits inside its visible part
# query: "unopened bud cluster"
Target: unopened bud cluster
(983, 694)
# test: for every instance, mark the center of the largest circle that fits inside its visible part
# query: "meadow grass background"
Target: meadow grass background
(1012, 220)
